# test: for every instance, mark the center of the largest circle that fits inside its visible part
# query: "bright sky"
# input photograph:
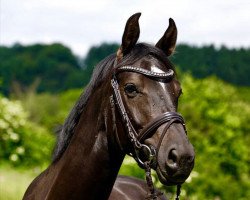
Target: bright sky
(82, 23)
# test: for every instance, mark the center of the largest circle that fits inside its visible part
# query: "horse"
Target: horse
(129, 107)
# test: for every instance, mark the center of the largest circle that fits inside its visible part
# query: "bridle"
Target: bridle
(136, 138)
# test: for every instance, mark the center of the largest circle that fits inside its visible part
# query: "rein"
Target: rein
(136, 138)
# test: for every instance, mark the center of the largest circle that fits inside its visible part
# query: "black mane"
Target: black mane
(101, 72)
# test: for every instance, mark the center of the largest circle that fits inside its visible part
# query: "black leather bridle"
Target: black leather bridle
(136, 138)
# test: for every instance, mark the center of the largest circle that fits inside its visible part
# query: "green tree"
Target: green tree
(231, 65)
(52, 67)
(95, 55)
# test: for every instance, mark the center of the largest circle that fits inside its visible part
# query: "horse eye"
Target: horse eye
(130, 89)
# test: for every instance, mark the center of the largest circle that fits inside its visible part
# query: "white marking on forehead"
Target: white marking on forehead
(156, 69)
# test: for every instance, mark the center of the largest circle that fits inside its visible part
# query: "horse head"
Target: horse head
(146, 92)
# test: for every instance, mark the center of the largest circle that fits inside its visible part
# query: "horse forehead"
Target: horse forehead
(154, 68)
(149, 61)
(166, 95)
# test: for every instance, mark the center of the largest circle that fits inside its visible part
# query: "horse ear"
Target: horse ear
(168, 40)
(130, 35)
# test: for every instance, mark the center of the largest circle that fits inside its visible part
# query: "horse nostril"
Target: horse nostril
(172, 156)
(172, 160)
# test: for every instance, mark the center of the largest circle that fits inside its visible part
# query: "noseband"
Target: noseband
(136, 138)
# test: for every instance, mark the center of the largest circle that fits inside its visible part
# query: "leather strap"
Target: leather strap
(166, 75)
(157, 122)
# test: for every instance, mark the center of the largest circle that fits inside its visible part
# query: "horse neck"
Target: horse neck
(90, 164)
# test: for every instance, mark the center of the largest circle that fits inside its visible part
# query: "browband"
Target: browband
(165, 75)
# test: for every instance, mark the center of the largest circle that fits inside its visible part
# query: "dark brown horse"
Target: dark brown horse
(129, 107)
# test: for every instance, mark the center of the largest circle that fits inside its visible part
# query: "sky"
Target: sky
(79, 24)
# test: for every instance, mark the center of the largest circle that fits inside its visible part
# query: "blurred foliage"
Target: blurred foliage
(51, 68)
(230, 65)
(22, 143)
(35, 116)
(28, 126)
(95, 55)
(49, 110)
(218, 122)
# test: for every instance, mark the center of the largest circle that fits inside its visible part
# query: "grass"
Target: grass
(13, 182)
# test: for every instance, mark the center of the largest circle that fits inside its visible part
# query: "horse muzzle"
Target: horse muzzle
(175, 157)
